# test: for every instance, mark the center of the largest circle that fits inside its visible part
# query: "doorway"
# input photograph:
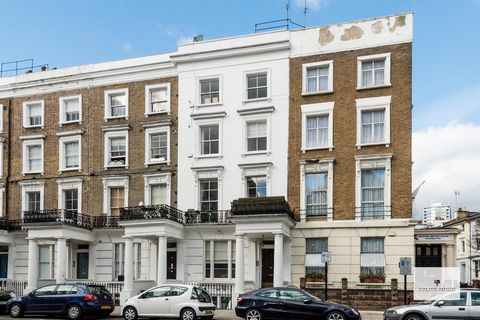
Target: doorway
(82, 265)
(428, 256)
(172, 265)
(267, 267)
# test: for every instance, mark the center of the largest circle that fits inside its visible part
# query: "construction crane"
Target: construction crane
(414, 193)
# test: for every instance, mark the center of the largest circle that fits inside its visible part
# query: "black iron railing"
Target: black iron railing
(261, 206)
(67, 217)
(151, 213)
(373, 212)
(197, 216)
(315, 211)
(105, 221)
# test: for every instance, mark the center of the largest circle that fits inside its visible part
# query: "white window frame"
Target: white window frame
(2, 196)
(256, 118)
(255, 170)
(62, 155)
(32, 186)
(318, 64)
(148, 133)
(112, 182)
(380, 256)
(51, 262)
(62, 116)
(107, 95)
(26, 114)
(367, 162)
(208, 173)
(148, 98)
(230, 258)
(121, 257)
(26, 144)
(1, 117)
(155, 179)
(317, 109)
(108, 135)
(69, 184)
(2, 140)
(220, 90)
(372, 104)
(386, 75)
(322, 166)
(207, 122)
(252, 73)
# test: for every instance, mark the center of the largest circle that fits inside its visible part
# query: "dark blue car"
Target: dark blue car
(71, 300)
(288, 304)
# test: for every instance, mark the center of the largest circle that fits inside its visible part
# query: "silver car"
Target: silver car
(444, 307)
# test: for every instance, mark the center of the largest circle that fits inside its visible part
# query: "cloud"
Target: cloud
(127, 46)
(312, 4)
(174, 32)
(448, 159)
(185, 39)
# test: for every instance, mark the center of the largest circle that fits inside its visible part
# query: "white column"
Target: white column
(127, 291)
(162, 260)
(61, 258)
(181, 260)
(32, 265)
(239, 264)
(278, 261)
(450, 255)
(287, 263)
(92, 261)
(11, 261)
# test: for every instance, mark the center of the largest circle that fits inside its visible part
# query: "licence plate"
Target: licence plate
(106, 307)
(208, 312)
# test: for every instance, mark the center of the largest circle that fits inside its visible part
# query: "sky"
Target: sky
(446, 64)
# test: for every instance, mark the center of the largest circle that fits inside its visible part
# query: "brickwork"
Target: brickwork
(344, 128)
(92, 145)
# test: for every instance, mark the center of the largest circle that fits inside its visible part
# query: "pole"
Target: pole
(405, 289)
(326, 281)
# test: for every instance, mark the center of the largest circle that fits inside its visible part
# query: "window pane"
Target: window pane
(372, 245)
(209, 195)
(256, 186)
(316, 193)
(70, 199)
(158, 146)
(158, 194)
(117, 200)
(72, 154)
(316, 245)
(209, 139)
(220, 259)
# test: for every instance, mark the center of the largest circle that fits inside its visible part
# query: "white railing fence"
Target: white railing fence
(16, 286)
(221, 293)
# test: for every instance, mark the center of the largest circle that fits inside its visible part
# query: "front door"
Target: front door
(82, 265)
(172, 265)
(267, 268)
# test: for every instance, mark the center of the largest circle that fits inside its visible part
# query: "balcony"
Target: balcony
(152, 213)
(261, 206)
(373, 212)
(105, 221)
(57, 216)
(206, 217)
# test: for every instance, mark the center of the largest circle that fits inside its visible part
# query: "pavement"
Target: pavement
(219, 315)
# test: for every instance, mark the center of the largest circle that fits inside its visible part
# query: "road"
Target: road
(220, 315)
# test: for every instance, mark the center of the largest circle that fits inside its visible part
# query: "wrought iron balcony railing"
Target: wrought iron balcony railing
(316, 211)
(373, 212)
(215, 217)
(105, 221)
(67, 217)
(261, 206)
(152, 213)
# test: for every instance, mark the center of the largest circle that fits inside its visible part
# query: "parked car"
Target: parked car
(71, 300)
(290, 303)
(5, 296)
(170, 301)
(464, 304)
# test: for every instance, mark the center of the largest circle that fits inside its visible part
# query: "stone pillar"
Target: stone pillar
(344, 291)
(278, 261)
(287, 263)
(162, 260)
(61, 260)
(181, 259)
(128, 271)
(394, 292)
(32, 265)
(11, 261)
(450, 255)
(239, 264)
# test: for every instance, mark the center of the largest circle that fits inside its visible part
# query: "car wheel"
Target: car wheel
(188, 314)
(413, 317)
(253, 314)
(74, 312)
(335, 315)
(130, 313)
(16, 310)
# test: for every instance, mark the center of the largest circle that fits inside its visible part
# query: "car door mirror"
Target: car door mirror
(307, 301)
(440, 303)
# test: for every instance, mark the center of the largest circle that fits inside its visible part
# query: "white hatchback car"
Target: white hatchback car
(170, 301)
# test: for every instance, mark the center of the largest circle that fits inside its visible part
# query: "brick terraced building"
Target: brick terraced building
(233, 163)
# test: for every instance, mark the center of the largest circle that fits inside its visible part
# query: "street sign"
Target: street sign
(405, 266)
(326, 257)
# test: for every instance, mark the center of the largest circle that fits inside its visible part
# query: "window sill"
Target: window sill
(253, 153)
(386, 144)
(387, 85)
(69, 122)
(210, 104)
(33, 172)
(112, 166)
(316, 93)
(150, 163)
(113, 118)
(207, 156)
(329, 148)
(29, 127)
(157, 113)
(70, 169)
(257, 100)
